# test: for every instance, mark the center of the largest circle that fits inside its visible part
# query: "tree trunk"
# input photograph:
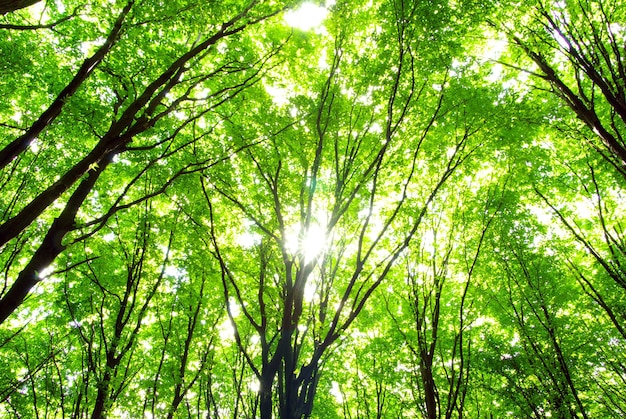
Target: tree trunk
(51, 246)
(21, 143)
(7, 6)
(265, 395)
(426, 371)
(102, 397)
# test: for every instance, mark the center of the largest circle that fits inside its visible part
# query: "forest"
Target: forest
(312, 209)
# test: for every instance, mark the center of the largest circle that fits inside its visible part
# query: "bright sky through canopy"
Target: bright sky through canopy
(306, 17)
(386, 208)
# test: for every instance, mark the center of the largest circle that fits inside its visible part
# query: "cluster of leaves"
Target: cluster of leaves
(413, 210)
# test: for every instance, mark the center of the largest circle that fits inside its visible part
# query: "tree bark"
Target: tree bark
(265, 393)
(21, 143)
(7, 6)
(120, 133)
(586, 113)
(51, 245)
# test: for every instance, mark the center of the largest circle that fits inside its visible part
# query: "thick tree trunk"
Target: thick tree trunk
(265, 396)
(7, 6)
(51, 246)
(430, 391)
(102, 397)
(306, 382)
(21, 143)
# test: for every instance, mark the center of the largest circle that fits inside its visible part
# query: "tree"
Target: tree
(577, 49)
(443, 385)
(135, 111)
(215, 210)
(7, 6)
(297, 297)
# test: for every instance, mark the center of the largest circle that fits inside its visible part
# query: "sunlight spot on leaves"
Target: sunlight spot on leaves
(46, 271)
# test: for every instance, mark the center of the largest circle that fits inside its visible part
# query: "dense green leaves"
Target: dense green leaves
(411, 209)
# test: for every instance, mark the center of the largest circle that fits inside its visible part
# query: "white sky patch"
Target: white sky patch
(376, 128)
(118, 159)
(495, 74)
(308, 16)
(34, 146)
(254, 385)
(17, 116)
(174, 272)
(563, 42)
(322, 62)
(585, 209)
(336, 392)
(428, 242)
(543, 215)
(38, 10)
(280, 95)
(89, 47)
(234, 307)
(226, 330)
(494, 49)
(492, 52)
(310, 288)
(248, 240)
(481, 321)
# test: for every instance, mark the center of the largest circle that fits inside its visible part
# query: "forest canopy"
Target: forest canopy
(287, 209)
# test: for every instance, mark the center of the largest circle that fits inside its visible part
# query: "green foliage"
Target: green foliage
(399, 213)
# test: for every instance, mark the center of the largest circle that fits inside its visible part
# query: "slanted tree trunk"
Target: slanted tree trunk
(7, 6)
(52, 244)
(140, 116)
(17, 146)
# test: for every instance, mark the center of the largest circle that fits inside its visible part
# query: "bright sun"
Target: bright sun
(313, 242)
(309, 243)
